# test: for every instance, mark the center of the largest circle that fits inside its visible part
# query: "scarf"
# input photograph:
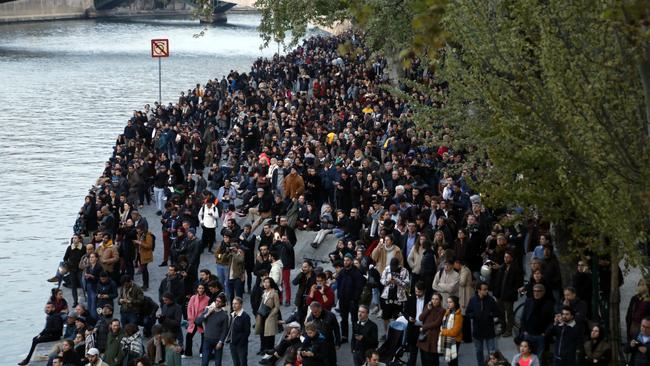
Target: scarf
(447, 345)
(159, 353)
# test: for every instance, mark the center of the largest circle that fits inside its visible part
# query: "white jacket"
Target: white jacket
(276, 272)
(207, 220)
(446, 283)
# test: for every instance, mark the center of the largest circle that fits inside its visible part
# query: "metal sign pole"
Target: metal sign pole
(160, 49)
(160, 80)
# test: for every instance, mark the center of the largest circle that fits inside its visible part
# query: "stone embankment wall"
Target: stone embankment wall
(36, 10)
(30, 10)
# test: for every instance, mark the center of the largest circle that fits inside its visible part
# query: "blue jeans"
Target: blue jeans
(239, 354)
(235, 287)
(223, 272)
(478, 347)
(128, 317)
(159, 194)
(91, 296)
(339, 233)
(209, 351)
(375, 297)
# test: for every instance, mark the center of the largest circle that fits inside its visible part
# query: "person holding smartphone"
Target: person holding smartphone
(321, 292)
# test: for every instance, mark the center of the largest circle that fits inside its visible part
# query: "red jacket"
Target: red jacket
(327, 305)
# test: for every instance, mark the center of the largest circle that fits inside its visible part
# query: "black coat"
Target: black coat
(410, 310)
(170, 318)
(329, 326)
(637, 358)
(370, 334)
(173, 285)
(567, 340)
(552, 273)
(538, 315)
(289, 232)
(349, 284)
(318, 345)
(240, 329)
(304, 285)
(482, 313)
(506, 282)
(53, 326)
(287, 255)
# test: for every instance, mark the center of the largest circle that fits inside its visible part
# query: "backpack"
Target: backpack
(153, 246)
(148, 306)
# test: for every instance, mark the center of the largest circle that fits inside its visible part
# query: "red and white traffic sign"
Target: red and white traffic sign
(160, 48)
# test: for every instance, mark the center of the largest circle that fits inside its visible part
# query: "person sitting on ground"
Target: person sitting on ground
(639, 346)
(53, 331)
(94, 359)
(597, 349)
(287, 348)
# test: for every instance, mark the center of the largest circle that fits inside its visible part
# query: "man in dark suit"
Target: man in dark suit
(412, 309)
(239, 331)
(407, 242)
(365, 336)
(504, 287)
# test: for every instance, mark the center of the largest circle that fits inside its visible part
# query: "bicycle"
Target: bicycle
(316, 261)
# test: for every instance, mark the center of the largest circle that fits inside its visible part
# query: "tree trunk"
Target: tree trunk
(614, 307)
(644, 73)
(560, 236)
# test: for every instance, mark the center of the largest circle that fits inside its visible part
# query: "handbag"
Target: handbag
(422, 337)
(264, 310)
(198, 321)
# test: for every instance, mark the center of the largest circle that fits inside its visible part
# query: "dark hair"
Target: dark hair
(168, 295)
(569, 309)
(371, 352)
(272, 281)
(156, 329)
(144, 361)
(125, 278)
(216, 284)
(483, 283)
(456, 301)
(365, 307)
(420, 285)
(130, 329)
(570, 289)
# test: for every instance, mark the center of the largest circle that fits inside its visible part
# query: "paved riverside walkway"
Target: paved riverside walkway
(302, 249)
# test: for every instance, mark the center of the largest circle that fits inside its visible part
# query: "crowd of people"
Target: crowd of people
(310, 141)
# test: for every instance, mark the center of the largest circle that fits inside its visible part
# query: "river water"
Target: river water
(66, 91)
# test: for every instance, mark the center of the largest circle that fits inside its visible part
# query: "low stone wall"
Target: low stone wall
(31, 10)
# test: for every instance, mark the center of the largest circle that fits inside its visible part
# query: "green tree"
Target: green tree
(558, 105)
(551, 99)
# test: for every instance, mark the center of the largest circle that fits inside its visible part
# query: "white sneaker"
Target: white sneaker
(184, 356)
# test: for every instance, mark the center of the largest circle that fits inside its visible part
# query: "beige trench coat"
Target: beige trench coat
(271, 322)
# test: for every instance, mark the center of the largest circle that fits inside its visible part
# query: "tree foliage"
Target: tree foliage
(549, 99)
